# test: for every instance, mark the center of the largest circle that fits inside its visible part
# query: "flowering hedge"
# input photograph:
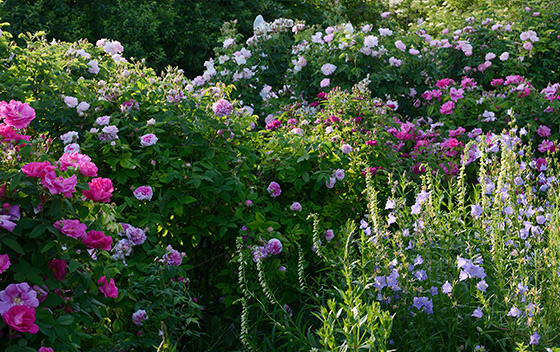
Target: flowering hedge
(229, 200)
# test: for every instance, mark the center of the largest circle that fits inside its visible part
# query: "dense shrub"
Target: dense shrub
(346, 200)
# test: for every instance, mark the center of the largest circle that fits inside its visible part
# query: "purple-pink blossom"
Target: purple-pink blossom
(222, 108)
(144, 193)
(18, 294)
(447, 108)
(274, 246)
(139, 316)
(274, 189)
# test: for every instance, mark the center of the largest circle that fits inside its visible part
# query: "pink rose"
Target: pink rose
(97, 239)
(4, 262)
(447, 108)
(37, 169)
(139, 316)
(296, 206)
(57, 185)
(45, 349)
(148, 140)
(400, 45)
(274, 189)
(100, 190)
(222, 108)
(143, 193)
(58, 266)
(71, 228)
(274, 246)
(78, 161)
(16, 114)
(21, 318)
(108, 288)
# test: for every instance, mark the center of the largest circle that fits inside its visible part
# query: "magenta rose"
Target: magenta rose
(72, 228)
(58, 266)
(21, 318)
(57, 185)
(447, 108)
(100, 190)
(4, 262)
(37, 169)
(45, 349)
(108, 288)
(16, 113)
(97, 239)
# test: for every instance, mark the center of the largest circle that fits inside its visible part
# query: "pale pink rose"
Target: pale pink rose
(93, 67)
(413, 51)
(346, 149)
(489, 56)
(527, 46)
(72, 148)
(328, 69)
(325, 82)
(504, 56)
(103, 120)
(371, 41)
(112, 48)
(71, 102)
(83, 106)
(395, 62)
(139, 316)
(228, 42)
(400, 45)
(295, 206)
(143, 193)
(148, 140)
(329, 235)
(16, 113)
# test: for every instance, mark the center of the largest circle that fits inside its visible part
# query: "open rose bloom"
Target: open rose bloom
(16, 113)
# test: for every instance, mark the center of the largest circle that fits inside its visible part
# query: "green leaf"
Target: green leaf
(65, 320)
(13, 245)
